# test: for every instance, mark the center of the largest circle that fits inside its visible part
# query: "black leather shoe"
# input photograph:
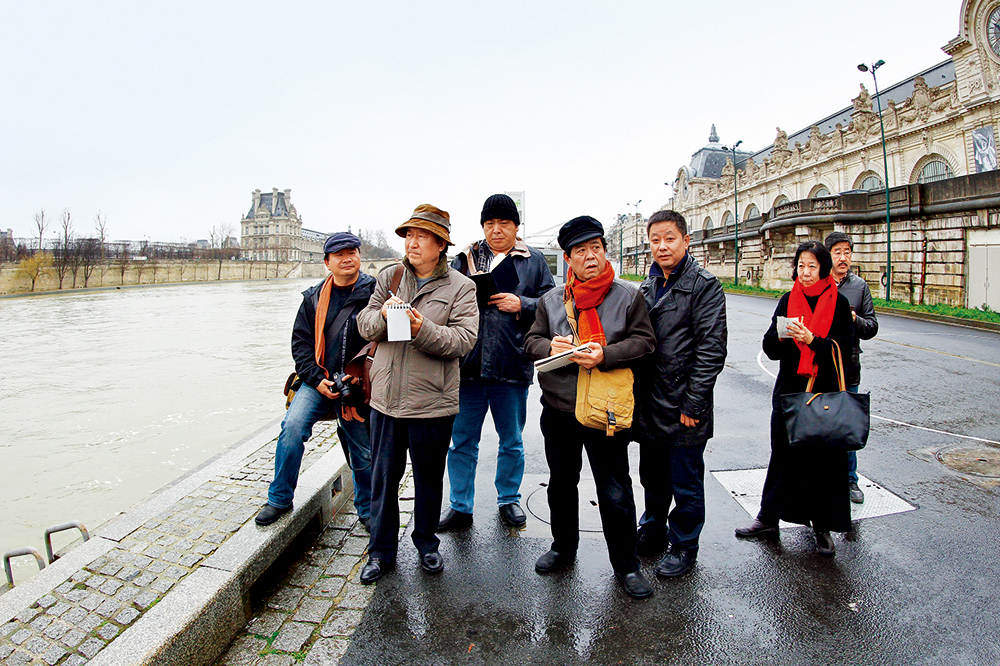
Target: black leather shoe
(512, 514)
(270, 514)
(366, 523)
(432, 562)
(824, 544)
(649, 545)
(635, 584)
(677, 562)
(373, 570)
(453, 520)
(553, 561)
(756, 529)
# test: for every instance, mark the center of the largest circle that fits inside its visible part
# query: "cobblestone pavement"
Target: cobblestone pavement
(80, 617)
(315, 607)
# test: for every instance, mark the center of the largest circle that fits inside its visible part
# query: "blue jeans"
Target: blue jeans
(307, 407)
(508, 404)
(852, 456)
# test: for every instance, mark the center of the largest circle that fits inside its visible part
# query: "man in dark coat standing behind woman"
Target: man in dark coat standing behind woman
(687, 307)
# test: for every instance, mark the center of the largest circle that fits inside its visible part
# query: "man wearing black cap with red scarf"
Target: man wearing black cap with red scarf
(613, 322)
(324, 338)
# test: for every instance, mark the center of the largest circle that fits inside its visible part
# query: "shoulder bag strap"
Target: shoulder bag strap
(571, 317)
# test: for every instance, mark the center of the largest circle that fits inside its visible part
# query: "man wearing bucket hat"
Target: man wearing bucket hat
(613, 322)
(415, 385)
(496, 373)
(324, 338)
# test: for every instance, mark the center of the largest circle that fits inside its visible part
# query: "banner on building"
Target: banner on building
(986, 148)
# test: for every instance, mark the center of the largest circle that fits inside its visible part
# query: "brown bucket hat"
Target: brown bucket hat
(430, 218)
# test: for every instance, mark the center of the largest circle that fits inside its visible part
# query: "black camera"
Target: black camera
(340, 386)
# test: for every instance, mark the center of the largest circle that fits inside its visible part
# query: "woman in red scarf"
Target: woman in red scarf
(804, 484)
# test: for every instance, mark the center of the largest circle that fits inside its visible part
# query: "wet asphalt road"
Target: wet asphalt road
(919, 587)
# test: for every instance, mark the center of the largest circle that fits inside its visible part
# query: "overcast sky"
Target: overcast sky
(166, 116)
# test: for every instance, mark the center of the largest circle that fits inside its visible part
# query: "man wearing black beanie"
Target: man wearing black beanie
(496, 374)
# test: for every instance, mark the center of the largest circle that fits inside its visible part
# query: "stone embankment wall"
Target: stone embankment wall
(111, 275)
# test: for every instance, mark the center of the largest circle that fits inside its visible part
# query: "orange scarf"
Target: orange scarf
(587, 295)
(818, 321)
(319, 325)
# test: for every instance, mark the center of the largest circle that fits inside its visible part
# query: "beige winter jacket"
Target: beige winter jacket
(419, 378)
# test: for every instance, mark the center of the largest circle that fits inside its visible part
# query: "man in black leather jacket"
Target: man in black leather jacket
(859, 296)
(687, 307)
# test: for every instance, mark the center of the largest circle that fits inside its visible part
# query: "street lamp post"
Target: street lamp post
(885, 165)
(635, 234)
(736, 214)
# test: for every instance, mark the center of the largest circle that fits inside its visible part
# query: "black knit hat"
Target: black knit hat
(838, 237)
(579, 230)
(500, 207)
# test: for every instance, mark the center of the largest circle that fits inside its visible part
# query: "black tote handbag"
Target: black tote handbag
(838, 420)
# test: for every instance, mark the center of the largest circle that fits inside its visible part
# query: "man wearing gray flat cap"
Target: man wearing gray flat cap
(324, 338)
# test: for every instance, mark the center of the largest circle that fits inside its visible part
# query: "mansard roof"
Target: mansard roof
(710, 160)
(273, 204)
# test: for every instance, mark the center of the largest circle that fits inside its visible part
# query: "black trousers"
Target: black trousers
(427, 441)
(673, 473)
(805, 485)
(565, 440)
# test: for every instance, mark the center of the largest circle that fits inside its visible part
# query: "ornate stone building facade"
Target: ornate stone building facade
(939, 130)
(272, 231)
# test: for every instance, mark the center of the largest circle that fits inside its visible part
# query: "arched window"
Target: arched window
(782, 199)
(819, 191)
(872, 182)
(707, 224)
(727, 219)
(935, 170)
(752, 212)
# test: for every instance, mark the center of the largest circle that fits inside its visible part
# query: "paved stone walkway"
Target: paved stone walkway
(80, 617)
(319, 602)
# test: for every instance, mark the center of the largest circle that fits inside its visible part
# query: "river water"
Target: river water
(107, 396)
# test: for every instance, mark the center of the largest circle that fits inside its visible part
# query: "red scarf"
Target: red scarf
(587, 295)
(818, 321)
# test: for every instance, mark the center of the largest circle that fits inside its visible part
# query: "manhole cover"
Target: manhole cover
(976, 460)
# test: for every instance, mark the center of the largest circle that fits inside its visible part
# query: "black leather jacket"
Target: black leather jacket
(679, 378)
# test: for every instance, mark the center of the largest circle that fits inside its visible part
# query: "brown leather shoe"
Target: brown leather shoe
(756, 529)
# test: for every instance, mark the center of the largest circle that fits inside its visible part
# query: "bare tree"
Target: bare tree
(122, 259)
(64, 247)
(89, 254)
(101, 225)
(40, 224)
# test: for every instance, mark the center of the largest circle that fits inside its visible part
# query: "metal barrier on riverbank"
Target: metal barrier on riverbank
(168, 581)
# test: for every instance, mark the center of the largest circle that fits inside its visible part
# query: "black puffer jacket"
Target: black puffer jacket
(304, 339)
(679, 377)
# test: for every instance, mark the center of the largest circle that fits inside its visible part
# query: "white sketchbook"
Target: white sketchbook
(559, 360)
(397, 322)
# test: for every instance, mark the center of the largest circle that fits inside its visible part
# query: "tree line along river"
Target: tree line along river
(106, 396)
